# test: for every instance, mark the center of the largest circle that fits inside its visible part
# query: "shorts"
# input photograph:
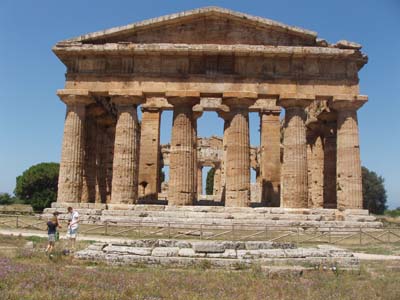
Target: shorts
(71, 234)
(52, 237)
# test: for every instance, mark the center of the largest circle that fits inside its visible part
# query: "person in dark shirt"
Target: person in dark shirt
(51, 231)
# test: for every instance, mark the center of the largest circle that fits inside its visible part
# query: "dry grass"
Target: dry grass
(29, 274)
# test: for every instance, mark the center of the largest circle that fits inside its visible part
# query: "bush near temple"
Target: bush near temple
(37, 185)
(374, 192)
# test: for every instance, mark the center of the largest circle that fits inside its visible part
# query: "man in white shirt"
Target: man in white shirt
(73, 225)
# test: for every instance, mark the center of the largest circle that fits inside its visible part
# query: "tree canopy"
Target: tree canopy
(374, 192)
(37, 185)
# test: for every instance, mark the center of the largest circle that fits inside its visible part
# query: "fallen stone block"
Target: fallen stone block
(165, 251)
(209, 247)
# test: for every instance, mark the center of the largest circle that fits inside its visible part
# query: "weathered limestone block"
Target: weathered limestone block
(228, 253)
(294, 169)
(128, 250)
(270, 165)
(349, 186)
(182, 184)
(125, 164)
(209, 247)
(72, 157)
(189, 252)
(149, 163)
(237, 180)
(165, 251)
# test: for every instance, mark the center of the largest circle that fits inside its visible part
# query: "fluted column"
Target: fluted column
(217, 181)
(237, 178)
(330, 165)
(199, 180)
(109, 158)
(294, 169)
(125, 164)
(315, 165)
(270, 166)
(101, 165)
(149, 163)
(72, 156)
(89, 170)
(182, 186)
(349, 184)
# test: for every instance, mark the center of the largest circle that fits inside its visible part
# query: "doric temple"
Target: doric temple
(211, 59)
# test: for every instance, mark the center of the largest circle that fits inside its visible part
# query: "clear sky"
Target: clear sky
(31, 115)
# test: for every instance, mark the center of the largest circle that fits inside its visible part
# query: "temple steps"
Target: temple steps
(193, 216)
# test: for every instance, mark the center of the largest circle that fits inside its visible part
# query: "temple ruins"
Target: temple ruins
(211, 59)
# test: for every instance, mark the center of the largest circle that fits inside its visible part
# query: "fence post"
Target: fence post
(106, 228)
(16, 222)
(201, 231)
(233, 232)
(140, 225)
(360, 236)
(388, 235)
(266, 232)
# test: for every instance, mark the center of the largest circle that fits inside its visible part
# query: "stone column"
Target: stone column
(223, 161)
(349, 185)
(125, 164)
(182, 187)
(149, 163)
(294, 169)
(330, 164)
(89, 170)
(199, 180)
(109, 145)
(270, 165)
(101, 165)
(217, 181)
(315, 165)
(237, 180)
(72, 156)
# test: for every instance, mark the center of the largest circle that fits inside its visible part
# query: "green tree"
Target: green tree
(374, 192)
(210, 182)
(6, 199)
(37, 185)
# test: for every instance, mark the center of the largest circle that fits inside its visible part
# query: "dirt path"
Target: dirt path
(81, 237)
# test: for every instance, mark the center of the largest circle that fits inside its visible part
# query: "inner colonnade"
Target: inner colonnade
(211, 59)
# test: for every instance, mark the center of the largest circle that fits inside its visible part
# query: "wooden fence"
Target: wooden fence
(171, 230)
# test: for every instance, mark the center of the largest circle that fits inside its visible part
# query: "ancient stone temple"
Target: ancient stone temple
(211, 59)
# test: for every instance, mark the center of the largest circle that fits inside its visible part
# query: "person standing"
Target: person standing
(73, 226)
(51, 231)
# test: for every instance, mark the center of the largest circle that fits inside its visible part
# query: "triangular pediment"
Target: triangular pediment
(210, 25)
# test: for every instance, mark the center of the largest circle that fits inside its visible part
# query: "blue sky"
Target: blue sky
(31, 115)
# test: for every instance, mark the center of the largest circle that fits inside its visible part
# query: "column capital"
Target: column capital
(148, 108)
(344, 102)
(268, 111)
(186, 98)
(290, 100)
(75, 96)
(126, 97)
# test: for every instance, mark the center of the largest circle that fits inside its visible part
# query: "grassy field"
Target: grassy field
(27, 273)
